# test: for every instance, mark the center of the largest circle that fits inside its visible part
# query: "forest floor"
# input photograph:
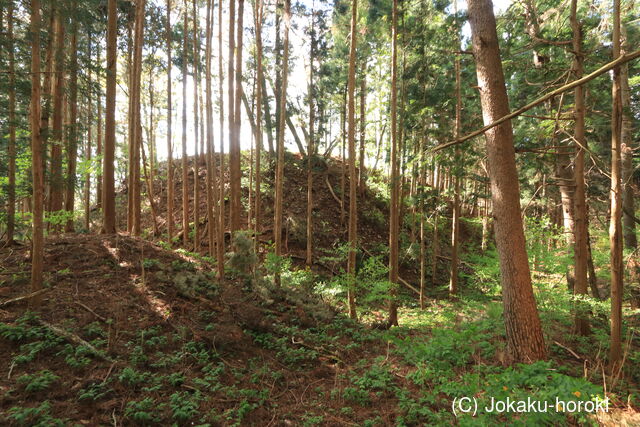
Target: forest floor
(133, 332)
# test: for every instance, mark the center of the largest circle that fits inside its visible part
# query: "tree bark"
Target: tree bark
(353, 184)
(72, 131)
(56, 177)
(221, 208)
(628, 198)
(11, 189)
(108, 192)
(259, 86)
(185, 175)
(394, 221)
(580, 206)
(615, 225)
(311, 148)
(37, 248)
(170, 184)
(455, 220)
(277, 229)
(235, 171)
(196, 125)
(524, 333)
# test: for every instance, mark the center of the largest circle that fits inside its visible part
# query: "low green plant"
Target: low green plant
(38, 416)
(145, 411)
(39, 381)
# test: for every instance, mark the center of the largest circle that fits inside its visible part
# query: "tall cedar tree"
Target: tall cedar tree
(615, 224)
(72, 129)
(579, 197)
(394, 220)
(170, 184)
(234, 217)
(277, 229)
(11, 189)
(234, 149)
(185, 183)
(37, 244)
(108, 179)
(353, 184)
(259, 7)
(524, 333)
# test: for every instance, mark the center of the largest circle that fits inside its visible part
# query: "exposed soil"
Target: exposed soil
(95, 278)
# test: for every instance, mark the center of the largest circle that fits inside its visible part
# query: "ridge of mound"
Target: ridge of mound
(129, 332)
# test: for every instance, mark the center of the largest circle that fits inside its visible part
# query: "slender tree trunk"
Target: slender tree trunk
(37, 244)
(628, 185)
(211, 178)
(343, 169)
(56, 177)
(135, 123)
(422, 183)
(311, 148)
(234, 150)
(394, 220)
(221, 207)
(234, 216)
(435, 249)
(277, 229)
(455, 220)
(185, 175)
(196, 121)
(87, 183)
(47, 96)
(99, 134)
(628, 202)
(72, 132)
(11, 190)
(580, 206)
(170, 184)
(353, 183)
(615, 225)
(363, 131)
(522, 323)
(108, 192)
(260, 84)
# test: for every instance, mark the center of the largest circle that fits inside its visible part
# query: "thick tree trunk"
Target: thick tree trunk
(37, 244)
(615, 224)
(394, 220)
(108, 192)
(353, 184)
(522, 323)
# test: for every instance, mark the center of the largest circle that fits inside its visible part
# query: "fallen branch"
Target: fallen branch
(619, 61)
(569, 350)
(92, 312)
(326, 179)
(29, 296)
(75, 339)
